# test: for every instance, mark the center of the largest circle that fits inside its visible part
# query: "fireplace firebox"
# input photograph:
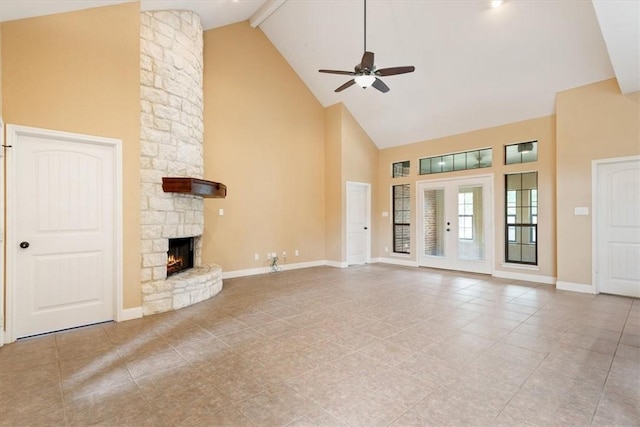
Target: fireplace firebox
(180, 255)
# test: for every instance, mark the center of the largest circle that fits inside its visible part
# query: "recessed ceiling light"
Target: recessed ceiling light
(496, 3)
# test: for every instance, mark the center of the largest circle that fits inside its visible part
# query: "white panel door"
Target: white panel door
(454, 224)
(618, 228)
(64, 234)
(358, 214)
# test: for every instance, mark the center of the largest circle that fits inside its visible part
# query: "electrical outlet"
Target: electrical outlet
(268, 255)
(386, 248)
(256, 257)
(284, 254)
(297, 253)
(273, 255)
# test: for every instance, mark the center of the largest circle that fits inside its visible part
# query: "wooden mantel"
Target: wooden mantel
(194, 186)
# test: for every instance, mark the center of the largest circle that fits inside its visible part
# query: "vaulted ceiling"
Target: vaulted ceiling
(476, 66)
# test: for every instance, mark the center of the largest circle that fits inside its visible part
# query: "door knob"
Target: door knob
(366, 228)
(24, 245)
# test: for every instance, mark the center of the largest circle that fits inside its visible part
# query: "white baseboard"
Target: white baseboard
(575, 287)
(336, 264)
(398, 261)
(129, 314)
(264, 270)
(524, 277)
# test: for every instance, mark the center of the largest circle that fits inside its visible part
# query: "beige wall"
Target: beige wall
(594, 122)
(264, 139)
(0, 70)
(542, 129)
(350, 155)
(359, 164)
(334, 224)
(79, 72)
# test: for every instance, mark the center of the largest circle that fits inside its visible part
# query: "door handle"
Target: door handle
(24, 245)
(366, 228)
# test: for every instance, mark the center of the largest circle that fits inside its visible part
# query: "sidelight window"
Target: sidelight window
(401, 218)
(521, 218)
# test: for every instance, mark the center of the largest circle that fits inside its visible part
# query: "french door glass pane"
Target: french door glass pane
(434, 222)
(470, 227)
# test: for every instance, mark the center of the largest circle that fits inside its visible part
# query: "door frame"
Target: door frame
(595, 217)
(490, 232)
(3, 316)
(13, 133)
(367, 188)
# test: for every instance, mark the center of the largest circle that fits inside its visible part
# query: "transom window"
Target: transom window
(400, 169)
(456, 161)
(523, 152)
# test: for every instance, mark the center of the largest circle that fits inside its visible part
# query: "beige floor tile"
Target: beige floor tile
(28, 353)
(624, 378)
(119, 400)
(353, 339)
(628, 352)
(386, 352)
(364, 408)
(207, 351)
(316, 418)
(448, 407)
(539, 410)
(90, 382)
(278, 405)
(370, 345)
(412, 340)
(153, 363)
(324, 384)
(618, 410)
(34, 416)
(530, 342)
(430, 370)
(500, 369)
(411, 419)
(460, 348)
(517, 355)
(398, 386)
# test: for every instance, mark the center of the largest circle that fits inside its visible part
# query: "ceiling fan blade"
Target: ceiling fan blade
(348, 73)
(379, 84)
(395, 70)
(346, 85)
(367, 61)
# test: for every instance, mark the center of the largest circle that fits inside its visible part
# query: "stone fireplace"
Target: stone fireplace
(171, 138)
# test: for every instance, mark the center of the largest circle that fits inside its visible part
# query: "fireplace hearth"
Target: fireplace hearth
(179, 255)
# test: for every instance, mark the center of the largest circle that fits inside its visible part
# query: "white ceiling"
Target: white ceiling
(476, 67)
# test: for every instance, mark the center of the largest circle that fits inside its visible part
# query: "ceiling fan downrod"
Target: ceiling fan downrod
(365, 25)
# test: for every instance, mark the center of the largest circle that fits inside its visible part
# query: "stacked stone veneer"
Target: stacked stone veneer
(171, 137)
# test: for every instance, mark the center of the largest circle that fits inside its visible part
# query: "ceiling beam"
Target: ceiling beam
(620, 26)
(265, 11)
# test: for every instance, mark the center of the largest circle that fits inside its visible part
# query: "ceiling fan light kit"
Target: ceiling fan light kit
(365, 73)
(364, 81)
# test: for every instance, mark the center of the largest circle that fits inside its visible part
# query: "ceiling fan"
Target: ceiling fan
(366, 74)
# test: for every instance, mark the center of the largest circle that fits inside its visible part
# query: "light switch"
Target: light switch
(221, 212)
(581, 210)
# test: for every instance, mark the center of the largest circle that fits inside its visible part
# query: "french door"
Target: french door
(455, 224)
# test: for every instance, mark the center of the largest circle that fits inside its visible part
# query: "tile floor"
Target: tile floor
(376, 345)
